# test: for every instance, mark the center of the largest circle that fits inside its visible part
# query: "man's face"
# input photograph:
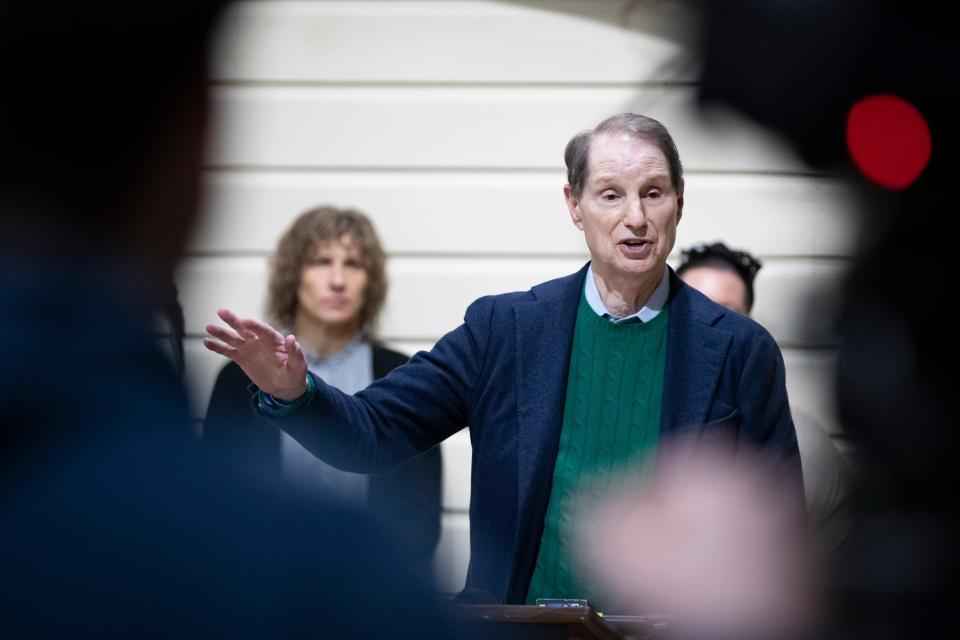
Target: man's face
(723, 287)
(628, 210)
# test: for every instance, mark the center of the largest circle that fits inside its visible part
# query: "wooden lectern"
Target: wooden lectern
(527, 622)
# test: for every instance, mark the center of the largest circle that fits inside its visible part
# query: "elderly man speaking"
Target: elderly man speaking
(563, 386)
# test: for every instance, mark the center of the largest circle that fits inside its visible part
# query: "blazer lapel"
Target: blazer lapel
(696, 351)
(544, 329)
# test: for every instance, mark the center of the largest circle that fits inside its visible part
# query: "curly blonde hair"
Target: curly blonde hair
(299, 244)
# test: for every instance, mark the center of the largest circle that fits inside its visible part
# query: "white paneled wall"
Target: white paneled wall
(445, 121)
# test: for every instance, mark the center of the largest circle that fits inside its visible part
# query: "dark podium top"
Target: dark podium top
(526, 622)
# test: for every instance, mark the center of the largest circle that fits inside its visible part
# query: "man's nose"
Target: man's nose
(635, 216)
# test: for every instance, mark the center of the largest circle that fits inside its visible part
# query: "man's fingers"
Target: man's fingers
(295, 357)
(225, 335)
(260, 330)
(235, 322)
(246, 329)
(227, 316)
(218, 347)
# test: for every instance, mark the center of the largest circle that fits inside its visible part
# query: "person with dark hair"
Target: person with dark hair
(112, 523)
(726, 276)
(568, 388)
(327, 285)
(722, 274)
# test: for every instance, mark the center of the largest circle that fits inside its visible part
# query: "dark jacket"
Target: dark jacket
(504, 373)
(408, 499)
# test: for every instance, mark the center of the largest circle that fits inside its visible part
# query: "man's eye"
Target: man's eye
(653, 194)
(609, 196)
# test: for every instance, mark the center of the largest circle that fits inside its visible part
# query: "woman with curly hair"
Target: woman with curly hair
(327, 287)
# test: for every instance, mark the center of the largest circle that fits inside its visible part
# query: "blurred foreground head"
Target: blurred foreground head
(102, 123)
(713, 543)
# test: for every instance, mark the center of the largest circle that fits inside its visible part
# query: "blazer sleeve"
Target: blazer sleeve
(765, 412)
(402, 415)
(762, 397)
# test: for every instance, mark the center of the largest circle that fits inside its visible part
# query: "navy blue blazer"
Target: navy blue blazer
(503, 372)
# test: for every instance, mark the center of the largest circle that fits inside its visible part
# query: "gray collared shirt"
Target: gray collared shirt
(649, 311)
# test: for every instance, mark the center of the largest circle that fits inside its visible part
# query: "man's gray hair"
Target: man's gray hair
(577, 154)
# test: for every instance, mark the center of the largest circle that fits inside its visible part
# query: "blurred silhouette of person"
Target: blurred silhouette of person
(327, 286)
(561, 385)
(111, 522)
(802, 70)
(726, 276)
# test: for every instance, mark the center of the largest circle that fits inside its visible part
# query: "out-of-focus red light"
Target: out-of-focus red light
(888, 140)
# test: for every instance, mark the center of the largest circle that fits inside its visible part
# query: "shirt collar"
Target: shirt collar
(649, 311)
(313, 360)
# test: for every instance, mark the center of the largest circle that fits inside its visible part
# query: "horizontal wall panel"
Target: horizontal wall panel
(415, 212)
(794, 297)
(797, 300)
(587, 41)
(240, 284)
(466, 127)
(205, 285)
(516, 213)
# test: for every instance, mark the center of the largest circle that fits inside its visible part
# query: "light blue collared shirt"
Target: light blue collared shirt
(350, 370)
(649, 311)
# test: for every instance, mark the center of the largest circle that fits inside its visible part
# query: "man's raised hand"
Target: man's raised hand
(273, 362)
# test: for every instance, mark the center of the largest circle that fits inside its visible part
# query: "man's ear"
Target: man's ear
(573, 205)
(679, 208)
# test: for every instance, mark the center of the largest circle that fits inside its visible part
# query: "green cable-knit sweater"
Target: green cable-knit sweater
(611, 423)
